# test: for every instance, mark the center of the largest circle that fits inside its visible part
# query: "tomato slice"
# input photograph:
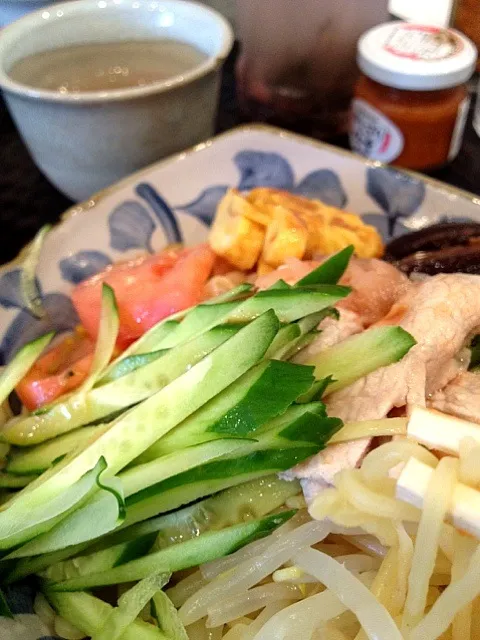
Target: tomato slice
(147, 290)
(63, 368)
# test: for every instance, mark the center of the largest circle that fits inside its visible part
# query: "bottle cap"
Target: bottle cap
(416, 57)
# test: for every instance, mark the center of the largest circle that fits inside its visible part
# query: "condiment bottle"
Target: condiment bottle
(467, 20)
(411, 101)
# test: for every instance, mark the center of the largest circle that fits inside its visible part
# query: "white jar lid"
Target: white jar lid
(416, 57)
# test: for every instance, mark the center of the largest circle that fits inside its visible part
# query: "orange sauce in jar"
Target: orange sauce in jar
(426, 119)
(411, 102)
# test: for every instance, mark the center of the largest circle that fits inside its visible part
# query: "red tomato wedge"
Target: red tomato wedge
(62, 369)
(147, 290)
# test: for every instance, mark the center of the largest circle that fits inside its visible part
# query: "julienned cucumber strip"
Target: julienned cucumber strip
(130, 605)
(145, 475)
(284, 338)
(240, 409)
(277, 389)
(89, 614)
(107, 337)
(125, 392)
(24, 518)
(306, 333)
(153, 339)
(361, 354)
(150, 343)
(100, 515)
(184, 555)
(330, 271)
(100, 560)
(12, 481)
(129, 364)
(288, 304)
(27, 566)
(317, 391)
(249, 500)
(279, 284)
(21, 364)
(213, 477)
(238, 292)
(167, 617)
(35, 460)
(201, 318)
(31, 297)
(137, 429)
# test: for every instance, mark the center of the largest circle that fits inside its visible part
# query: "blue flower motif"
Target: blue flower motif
(60, 316)
(205, 205)
(398, 194)
(130, 227)
(323, 185)
(382, 224)
(260, 169)
(162, 211)
(11, 290)
(83, 265)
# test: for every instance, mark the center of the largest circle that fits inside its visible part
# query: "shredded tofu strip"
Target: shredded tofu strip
(464, 510)
(440, 431)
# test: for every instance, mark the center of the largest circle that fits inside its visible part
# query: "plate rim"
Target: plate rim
(89, 205)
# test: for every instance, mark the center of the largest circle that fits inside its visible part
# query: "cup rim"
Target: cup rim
(23, 25)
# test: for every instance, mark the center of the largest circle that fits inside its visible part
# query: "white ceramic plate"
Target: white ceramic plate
(175, 200)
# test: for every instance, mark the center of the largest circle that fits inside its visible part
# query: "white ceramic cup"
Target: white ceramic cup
(84, 142)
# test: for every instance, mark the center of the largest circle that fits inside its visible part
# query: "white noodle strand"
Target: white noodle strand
(251, 571)
(374, 618)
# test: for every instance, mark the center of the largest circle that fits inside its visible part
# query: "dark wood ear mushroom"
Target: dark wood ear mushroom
(441, 248)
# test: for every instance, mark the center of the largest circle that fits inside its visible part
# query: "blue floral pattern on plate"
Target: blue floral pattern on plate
(398, 194)
(134, 222)
(83, 265)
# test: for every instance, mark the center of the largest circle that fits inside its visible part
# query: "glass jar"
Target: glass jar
(411, 103)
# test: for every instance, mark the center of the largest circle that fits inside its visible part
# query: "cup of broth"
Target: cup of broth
(101, 88)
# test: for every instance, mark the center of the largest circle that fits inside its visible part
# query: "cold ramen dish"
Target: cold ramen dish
(272, 436)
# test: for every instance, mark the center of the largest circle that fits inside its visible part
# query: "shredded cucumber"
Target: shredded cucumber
(330, 271)
(32, 298)
(180, 556)
(130, 606)
(35, 460)
(107, 337)
(21, 364)
(89, 614)
(361, 354)
(137, 429)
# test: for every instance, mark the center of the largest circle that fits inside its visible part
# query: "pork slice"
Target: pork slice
(441, 313)
(461, 397)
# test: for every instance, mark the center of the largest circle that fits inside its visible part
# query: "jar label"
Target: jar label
(459, 129)
(423, 43)
(373, 135)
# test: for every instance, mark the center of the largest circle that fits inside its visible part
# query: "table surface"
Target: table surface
(28, 200)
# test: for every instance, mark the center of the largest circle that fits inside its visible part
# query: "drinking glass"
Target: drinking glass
(297, 62)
